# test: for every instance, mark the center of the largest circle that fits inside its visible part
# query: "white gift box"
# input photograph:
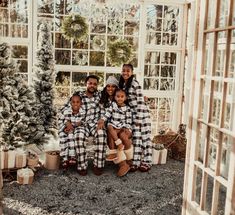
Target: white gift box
(159, 156)
(7, 159)
(25, 176)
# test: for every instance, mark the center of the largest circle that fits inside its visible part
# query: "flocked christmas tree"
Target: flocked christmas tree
(18, 115)
(44, 80)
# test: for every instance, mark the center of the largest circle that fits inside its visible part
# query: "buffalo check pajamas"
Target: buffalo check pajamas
(68, 143)
(92, 115)
(141, 125)
(118, 117)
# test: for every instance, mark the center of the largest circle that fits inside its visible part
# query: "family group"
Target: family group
(116, 117)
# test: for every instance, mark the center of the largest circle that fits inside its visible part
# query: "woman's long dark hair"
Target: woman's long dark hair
(121, 80)
(104, 100)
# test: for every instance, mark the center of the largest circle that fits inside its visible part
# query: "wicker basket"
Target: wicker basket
(52, 160)
(32, 160)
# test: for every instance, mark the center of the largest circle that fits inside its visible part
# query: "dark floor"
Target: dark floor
(158, 192)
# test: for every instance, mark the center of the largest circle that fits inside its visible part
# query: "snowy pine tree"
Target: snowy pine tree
(18, 115)
(44, 79)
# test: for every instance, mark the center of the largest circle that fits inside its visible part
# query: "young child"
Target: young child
(69, 121)
(142, 159)
(119, 123)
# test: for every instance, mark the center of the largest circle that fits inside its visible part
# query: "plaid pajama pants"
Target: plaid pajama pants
(68, 145)
(100, 146)
(142, 144)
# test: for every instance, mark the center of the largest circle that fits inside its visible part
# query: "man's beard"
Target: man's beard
(89, 91)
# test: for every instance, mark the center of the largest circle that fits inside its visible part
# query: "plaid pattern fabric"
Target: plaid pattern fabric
(68, 143)
(118, 117)
(142, 144)
(92, 110)
(142, 133)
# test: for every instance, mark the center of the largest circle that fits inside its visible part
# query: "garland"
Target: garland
(119, 52)
(74, 27)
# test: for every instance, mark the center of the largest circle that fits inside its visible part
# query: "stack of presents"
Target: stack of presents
(25, 164)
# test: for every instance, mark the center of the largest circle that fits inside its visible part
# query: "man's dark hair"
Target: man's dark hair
(92, 76)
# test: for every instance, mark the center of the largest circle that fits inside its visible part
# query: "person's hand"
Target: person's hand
(146, 99)
(68, 130)
(100, 124)
(120, 147)
(68, 127)
(127, 132)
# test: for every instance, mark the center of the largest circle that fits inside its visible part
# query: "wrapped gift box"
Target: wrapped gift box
(7, 159)
(25, 176)
(20, 159)
(159, 156)
(52, 160)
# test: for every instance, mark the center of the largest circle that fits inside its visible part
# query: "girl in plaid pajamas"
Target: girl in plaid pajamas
(119, 119)
(142, 159)
(69, 121)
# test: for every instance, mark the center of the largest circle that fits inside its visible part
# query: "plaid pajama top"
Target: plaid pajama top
(136, 102)
(118, 117)
(68, 115)
(91, 106)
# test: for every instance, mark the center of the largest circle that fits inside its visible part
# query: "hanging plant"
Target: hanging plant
(119, 52)
(74, 27)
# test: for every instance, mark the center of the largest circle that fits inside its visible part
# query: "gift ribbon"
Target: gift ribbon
(160, 156)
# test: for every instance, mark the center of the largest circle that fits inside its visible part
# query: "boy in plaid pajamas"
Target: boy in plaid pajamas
(69, 122)
(142, 159)
(119, 124)
(90, 99)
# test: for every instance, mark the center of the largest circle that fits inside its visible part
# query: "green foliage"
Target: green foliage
(74, 27)
(44, 80)
(19, 120)
(119, 52)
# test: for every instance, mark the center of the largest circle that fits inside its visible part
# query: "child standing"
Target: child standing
(142, 159)
(69, 121)
(119, 124)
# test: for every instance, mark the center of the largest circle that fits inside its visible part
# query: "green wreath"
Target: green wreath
(74, 27)
(119, 52)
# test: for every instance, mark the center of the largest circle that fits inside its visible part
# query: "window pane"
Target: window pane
(62, 57)
(63, 79)
(213, 147)
(225, 159)
(222, 199)
(223, 15)
(197, 187)
(80, 58)
(209, 191)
